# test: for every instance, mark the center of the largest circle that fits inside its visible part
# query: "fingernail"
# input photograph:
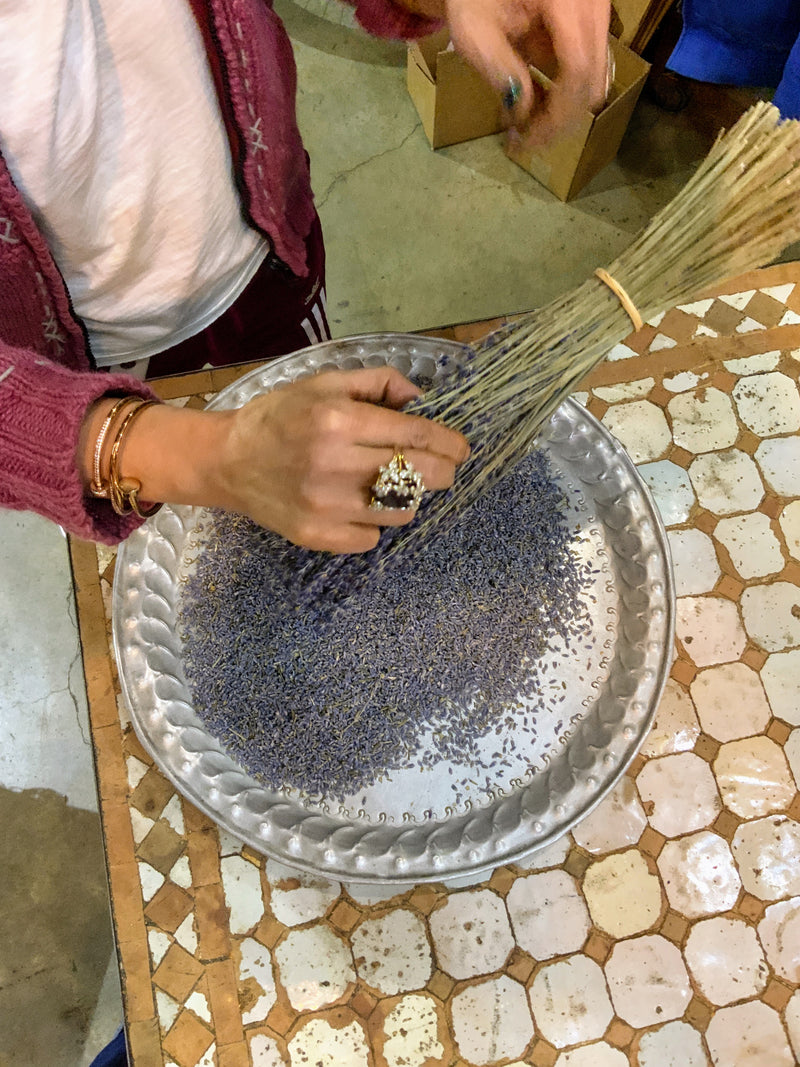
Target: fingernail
(512, 94)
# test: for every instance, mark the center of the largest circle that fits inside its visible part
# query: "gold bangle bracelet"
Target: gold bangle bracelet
(97, 487)
(124, 492)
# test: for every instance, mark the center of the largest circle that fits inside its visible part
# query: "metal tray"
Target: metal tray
(408, 829)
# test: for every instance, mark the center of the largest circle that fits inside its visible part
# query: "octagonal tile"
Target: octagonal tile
(748, 1035)
(730, 701)
(617, 821)
(694, 560)
(703, 421)
(648, 980)
(726, 482)
(754, 549)
(781, 677)
(471, 933)
(492, 1020)
(682, 792)
(392, 953)
(624, 898)
(640, 427)
(710, 630)
(675, 727)
(726, 960)
(754, 777)
(548, 914)
(570, 1001)
(768, 404)
(699, 875)
(779, 461)
(766, 853)
(779, 931)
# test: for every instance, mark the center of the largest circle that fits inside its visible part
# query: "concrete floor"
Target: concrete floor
(415, 239)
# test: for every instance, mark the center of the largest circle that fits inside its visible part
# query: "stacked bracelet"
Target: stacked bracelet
(123, 493)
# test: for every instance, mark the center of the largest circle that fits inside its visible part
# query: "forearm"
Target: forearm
(175, 453)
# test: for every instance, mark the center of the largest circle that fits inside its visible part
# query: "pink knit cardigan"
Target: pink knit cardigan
(47, 379)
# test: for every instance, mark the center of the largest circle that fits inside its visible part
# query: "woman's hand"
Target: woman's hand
(299, 460)
(566, 39)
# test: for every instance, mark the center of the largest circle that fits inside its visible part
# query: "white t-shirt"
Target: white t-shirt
(110, 126)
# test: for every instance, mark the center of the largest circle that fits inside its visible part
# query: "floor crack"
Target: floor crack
(320, 200)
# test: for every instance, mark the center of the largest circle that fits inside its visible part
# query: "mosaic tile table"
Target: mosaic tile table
(664, 930)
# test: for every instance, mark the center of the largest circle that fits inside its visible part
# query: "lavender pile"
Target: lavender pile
(328, 702)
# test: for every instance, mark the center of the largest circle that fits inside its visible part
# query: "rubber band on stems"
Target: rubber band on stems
(627, 304)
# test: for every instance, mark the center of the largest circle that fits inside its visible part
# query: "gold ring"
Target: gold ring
(399, 486)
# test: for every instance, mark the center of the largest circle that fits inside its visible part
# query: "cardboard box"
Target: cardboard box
(568, 164)
(453, 101)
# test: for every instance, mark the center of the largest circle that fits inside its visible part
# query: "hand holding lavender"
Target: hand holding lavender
(299, 461)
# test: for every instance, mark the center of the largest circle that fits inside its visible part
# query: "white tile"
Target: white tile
(661, 342)
(612, 394)
(675, 727)
(198, 1003)
(766, 852)
(315, 967)
(548, 914)
(373, 894)
(748, 1035)
(136, 771)
(704, 331)
(648, 980)
(781, 678)
(492, 1020)
(779, 931)
(296, 897)
(682, 792)
(790, 526)
(471, 933)
(140, 825)
(726, 960)
(789, 318)
(151, 880)
(181, 873)
(754, 777)
(726, 482)
(656, 320)
(681, 383)
(779, 461)
(552, 855)
(241, 881)
(173, 814)
(699, 875)
(768, 404)
(391, 952)
(159, 943)
(319, 1043)
(598, 1054)
(694, 560)
(228, 844)
(617, 821)
(730, 701)
(185, 934)
(167, 1008)
(699, 308)
(703, 421)
(754, 549)
(710, 630)
(738, 300)
(781, 293)
(411, 1033)
(675, 1045)
(621, 351)
(255, 965)
(792, 752)
(624, 897)
(264, 1051)
(771, 616)
(749, 325)
(641, 429)
(762, 361)
(671, 488)
(570, 1001)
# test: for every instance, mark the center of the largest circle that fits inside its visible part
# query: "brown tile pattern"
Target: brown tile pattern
(179, 942)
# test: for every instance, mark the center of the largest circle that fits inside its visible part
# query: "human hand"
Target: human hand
(567, 41)
(300, 460)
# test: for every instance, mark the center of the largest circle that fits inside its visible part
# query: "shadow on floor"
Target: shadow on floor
(55, 911)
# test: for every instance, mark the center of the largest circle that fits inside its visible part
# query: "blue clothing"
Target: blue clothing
(733, 43)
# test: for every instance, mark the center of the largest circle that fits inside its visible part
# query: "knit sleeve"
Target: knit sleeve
(383, 18)
(42, 406)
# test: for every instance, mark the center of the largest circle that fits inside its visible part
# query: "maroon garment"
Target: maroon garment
(275, 314)
(46, 376)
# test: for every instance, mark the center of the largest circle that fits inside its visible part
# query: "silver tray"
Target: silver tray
(408, 829)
